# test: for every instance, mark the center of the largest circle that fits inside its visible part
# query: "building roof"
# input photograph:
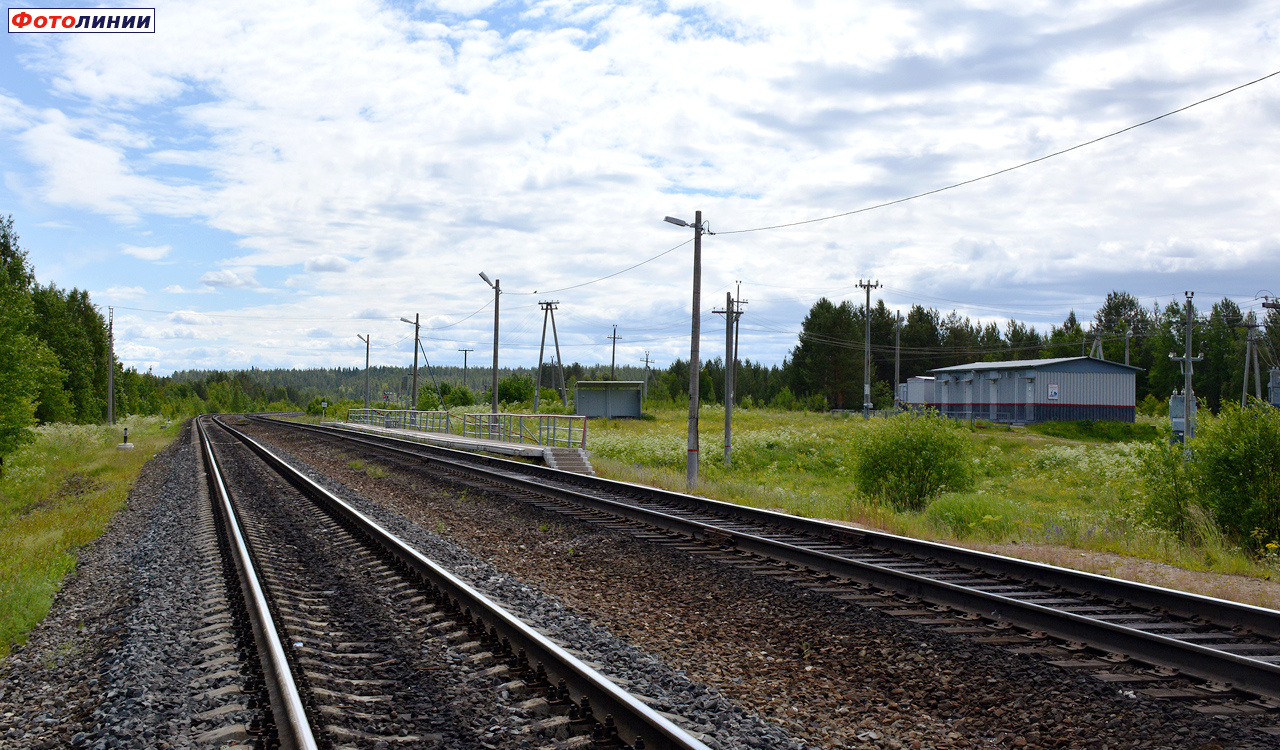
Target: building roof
(610, 384)
(1029, 364)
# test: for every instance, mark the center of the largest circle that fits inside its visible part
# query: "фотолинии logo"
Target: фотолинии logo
(82, 20)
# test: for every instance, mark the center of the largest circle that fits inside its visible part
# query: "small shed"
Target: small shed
(608, 398)
(1029, 391)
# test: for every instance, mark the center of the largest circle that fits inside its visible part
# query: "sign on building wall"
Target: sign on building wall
(1053, 391)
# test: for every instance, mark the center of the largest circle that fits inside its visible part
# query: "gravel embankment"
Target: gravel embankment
(832, 674)
(114, 663)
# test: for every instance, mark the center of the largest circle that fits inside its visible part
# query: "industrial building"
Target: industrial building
(1027, 391)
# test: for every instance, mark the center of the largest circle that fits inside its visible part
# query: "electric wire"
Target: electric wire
(1046, 157)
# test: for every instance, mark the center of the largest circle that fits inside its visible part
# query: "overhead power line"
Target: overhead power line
(935, 191)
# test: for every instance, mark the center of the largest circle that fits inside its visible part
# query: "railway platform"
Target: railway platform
(576, 460)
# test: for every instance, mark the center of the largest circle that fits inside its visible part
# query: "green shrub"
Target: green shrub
(911, 457)
(1166, 476)
(459, 396)
(515, 389)
(1235, 469)
(1153, 407)
(785, 399)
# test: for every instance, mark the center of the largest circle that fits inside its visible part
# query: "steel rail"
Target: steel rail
(1250, 675)
(634, 719)
(287, 707)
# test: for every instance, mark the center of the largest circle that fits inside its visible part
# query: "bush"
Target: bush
(1232, 475)
(784, 400)
(459, 396)
(1153, 407)
(976, 517)
(909, 458)
(1235, 469)
(428, 400)
(515, 389)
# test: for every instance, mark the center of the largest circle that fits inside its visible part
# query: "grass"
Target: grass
(58, 494)
(1073, 485)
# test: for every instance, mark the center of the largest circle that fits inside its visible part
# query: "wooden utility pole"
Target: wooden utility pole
(731, 314)
(613, 359)
(365, 339)
(897, 355)
(464, 365)
(111, 365)
(1251, 351)
(866, 377)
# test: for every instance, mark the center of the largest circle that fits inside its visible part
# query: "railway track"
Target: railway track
(359, 635)
(1160, 636)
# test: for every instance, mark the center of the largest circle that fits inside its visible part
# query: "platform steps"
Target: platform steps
(568, 459)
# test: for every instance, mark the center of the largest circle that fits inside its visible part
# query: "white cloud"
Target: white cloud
(146, 253)
(230, 279)
(178, 289)
(327, 264)
(122, 292)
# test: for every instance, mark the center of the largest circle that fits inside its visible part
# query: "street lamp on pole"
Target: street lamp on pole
(691, 460)
(496, 284)
(413, 403)
(365, 339)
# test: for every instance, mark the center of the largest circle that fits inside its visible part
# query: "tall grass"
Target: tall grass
(1028, 488)
(58, 494)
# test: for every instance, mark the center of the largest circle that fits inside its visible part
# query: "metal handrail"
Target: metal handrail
(404, 419)
(560, 430)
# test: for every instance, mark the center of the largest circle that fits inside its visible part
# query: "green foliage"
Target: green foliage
(1232, 473)
(1166, 476)
(1236, 470)
(1100, 430)
(1153, 407)
(969, 516)
(911, 457)
(460, 396)
(515, 389)
(428, 400)
(785, 400)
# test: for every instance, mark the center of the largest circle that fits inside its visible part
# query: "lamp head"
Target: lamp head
(406, 320)
(486, 278)
(674, 220)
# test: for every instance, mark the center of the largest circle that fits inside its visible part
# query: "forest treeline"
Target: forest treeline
(825, 369)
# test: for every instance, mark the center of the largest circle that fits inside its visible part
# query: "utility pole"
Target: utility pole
(549, 311)
(365, 339)
(691, 460)
(613, 360)
(1095, 351)
(1128, 334)
(413, 391)
(497, 292)
(111, 365)
(730, 318)
(644, 389)
(1251, 350)
(1188, 395)
(866, 377)
(547, 307)
(464, 365)
(897, 356)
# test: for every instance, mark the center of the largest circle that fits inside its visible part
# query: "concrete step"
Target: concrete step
(568, 459)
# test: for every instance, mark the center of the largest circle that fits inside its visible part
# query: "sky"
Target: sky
(257, 184)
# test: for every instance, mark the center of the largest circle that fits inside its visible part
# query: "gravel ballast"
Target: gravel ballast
(832, 673)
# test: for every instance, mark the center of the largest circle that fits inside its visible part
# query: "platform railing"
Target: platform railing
(541, 429)
(404, 419)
